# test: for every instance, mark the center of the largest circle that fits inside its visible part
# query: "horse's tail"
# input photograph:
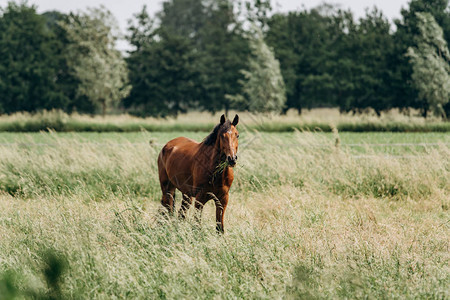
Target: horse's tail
(161, 160)
(162, 157)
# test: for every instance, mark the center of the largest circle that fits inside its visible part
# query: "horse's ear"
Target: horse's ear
(235, 120)
(222, 119)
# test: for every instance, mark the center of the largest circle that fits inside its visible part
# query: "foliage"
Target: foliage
(185, 18)
(293, 38)
(317, 51)
(212, 31)
(405, 94)
(141, 29)
(66, 80)
(98, 66)
(162, 71)
(315, 65)
(373, 43)
(223, 54)
(431, 64)
(28, 62)
(189, 56)
(263, 85)
(258, 12)
(54, 266)
(190, 61)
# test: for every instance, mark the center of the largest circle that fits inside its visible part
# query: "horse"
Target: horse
(203, 171)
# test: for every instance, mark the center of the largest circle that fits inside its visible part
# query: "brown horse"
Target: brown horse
(201, 170)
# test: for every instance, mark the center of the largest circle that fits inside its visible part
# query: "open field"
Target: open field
(321, 119)
(311, 215)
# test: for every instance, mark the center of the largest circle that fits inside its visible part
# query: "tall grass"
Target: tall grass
(67, 167)
(312, 221)
(315, 120)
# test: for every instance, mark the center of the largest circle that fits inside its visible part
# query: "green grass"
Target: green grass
(379, 142)
(163, 137)
(306, 219)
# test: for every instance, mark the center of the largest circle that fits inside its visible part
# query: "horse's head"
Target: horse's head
(228, 140)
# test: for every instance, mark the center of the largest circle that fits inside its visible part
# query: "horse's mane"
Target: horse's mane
(210, 140)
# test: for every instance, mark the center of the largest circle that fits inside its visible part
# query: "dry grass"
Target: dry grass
(310, 221)
(316, 119)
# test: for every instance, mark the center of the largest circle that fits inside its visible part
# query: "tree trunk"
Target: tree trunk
(425, 113)
(103, 108)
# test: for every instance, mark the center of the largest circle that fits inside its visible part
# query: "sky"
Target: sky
(124, 10)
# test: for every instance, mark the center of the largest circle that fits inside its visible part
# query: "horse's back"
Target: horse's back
(180, 145)
(182, 142)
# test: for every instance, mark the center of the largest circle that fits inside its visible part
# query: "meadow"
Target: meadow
(319, 119)
(312, 215)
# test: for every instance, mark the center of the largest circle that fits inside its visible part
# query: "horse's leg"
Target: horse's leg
(185, 204)
(168, 199)
(221, 205)
(200, 201)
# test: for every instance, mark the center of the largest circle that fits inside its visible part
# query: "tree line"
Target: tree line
(219, 55)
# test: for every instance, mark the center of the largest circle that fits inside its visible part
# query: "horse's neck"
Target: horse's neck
(211, 154)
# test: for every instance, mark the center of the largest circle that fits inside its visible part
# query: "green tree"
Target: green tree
(162, 70)
(282, 36)
(223, 55)
(340, 62)
(405, 94)
(258, 13)
(306, 43)
(431, 64)
(196, 53)
(439, 9)
(370, 46)
(263, 86)
(141, 30)
(185, 18)
(328, 59)
(99, 67)
(28, 68)
(65, 79)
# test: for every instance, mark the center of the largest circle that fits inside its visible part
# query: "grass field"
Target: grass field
(320, 119)
(311, 215)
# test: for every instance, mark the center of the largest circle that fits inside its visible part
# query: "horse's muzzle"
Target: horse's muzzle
(232, 160)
